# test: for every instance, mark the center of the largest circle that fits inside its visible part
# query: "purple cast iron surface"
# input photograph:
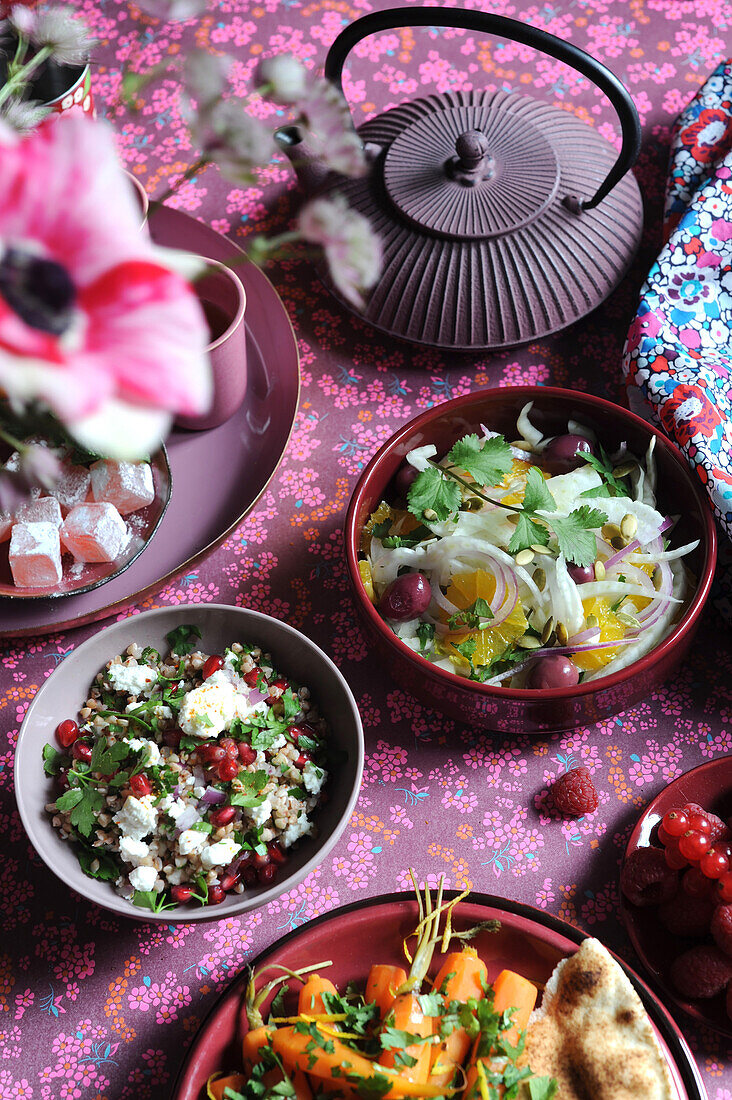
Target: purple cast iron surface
(93, 1007)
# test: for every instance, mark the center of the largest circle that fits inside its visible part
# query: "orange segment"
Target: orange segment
(367, 580)
(491, 642)
(610, 630)
(401, 523)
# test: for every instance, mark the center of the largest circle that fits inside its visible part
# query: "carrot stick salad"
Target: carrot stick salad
(538, 564)
(404, 1035)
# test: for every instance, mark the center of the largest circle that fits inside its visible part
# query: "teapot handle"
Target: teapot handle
(487, 23)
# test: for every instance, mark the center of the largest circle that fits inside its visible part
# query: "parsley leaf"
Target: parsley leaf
(181, 640)
(537, 494)
(109, 868)
(486, 462)
(104, 759)
(575, 534)
(291, 703)
(148, 899)
(433, 489)
(53, 760)
(149, 654)
(84, 804)
(409, 540)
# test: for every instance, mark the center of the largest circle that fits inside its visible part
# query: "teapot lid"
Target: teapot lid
(502, 219)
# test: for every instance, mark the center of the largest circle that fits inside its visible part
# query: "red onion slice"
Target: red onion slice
(586, 636)
(189, 817)
(212, 797)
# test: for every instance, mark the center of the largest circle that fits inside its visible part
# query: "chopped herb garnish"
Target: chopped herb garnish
(182, 639)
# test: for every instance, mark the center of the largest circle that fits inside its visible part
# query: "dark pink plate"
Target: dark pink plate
(82, 577)
(218, 475)
(530, 941)
(709, 785)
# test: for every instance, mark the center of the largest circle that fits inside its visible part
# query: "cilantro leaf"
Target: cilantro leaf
(53, 760)
(181, 640)
(467, 649)
(542, 1088)
(84, 813)
(487, 462)
(291, 703)
(575, 534)
(433, 489)
(475, 617)
(425, 633)
(537, 494)
(604, 467)
(528, 533)
(104, 759)
(409, 540)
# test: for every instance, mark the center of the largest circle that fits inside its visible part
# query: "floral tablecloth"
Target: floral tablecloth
(102, 1009)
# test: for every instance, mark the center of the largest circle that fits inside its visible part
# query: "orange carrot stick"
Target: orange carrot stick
(461, 977)
(510, 990)
(406, 1014)
(215, 1085)
(310, 998)
(255, 1039)
(382, 985)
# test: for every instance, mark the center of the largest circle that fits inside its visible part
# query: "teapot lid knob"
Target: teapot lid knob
(471, 147)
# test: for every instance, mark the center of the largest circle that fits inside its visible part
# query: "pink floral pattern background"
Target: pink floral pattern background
(94, 1008)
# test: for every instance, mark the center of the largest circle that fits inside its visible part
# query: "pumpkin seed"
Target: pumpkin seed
(562, 634)
(619, 542)
(592, 621)
(657, 578)
(529, 642)
(540, 579)
(624, 469)
(547, 631)
(628, 525)
(599, 571)
(524, 557)
(610, 531)
(430, 514)
(538, 549)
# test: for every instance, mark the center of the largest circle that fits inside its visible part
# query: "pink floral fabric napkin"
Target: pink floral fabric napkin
(678, 354)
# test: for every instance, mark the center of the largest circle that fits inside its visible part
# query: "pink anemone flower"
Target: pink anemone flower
(94, 324)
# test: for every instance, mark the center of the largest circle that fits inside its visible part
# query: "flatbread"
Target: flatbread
(593, 1035)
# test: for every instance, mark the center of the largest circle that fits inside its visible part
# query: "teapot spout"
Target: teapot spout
(309, 168)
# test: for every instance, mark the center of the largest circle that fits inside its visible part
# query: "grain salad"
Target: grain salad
(190, 775)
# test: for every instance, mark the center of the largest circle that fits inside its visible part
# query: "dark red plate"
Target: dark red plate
(218, 475)
(530, 941)
(709, 785)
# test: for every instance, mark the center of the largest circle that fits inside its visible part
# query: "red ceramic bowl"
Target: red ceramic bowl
(710, 786)
(530, 940)
(518, 710)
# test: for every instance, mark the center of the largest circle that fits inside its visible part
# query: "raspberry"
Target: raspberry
(686, 916)
(721, 928)
(646, 879)
(697, 885)
(701, 972)
(573, 793)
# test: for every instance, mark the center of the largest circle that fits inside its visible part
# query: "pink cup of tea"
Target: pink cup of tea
(223, 300)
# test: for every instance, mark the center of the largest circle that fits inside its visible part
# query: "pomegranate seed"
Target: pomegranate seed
(261, 860)
(693, 845)
(296, 732)
(248, 876)
(222, 816)
(181, 894)
(171, 738)
(247, 754)
(67, 732)
(714, 864)
(675, 823)
(250, 678)
(213, 664)
(213, 754)
(63, 779)
(302, 760)
(699, 823)
(275, 853)
(267, 873)
(215, 895)
(724, 887)
(140, 785)
(230, 748)
(228, 769)
(80, 750)
(228, 882)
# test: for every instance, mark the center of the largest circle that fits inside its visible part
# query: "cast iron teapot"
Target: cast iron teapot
(502, 219)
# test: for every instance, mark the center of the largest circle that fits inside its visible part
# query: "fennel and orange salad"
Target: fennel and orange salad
(539, 563)
(403, 1036)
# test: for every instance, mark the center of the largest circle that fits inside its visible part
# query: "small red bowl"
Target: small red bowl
(710, 786)
(518, 710)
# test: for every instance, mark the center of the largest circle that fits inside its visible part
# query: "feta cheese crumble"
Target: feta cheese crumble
(219, 854)
(137, 818)
(133, 679)
(211, 708)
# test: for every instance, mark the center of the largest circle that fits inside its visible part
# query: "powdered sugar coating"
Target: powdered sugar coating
(35, 555)
(94, 532)
(126, 485)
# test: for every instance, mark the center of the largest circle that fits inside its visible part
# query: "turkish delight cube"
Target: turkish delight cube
(35, 555)
(126, 485)
(42, 510)
(6, 525)
(72, 487)
(94, 532)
